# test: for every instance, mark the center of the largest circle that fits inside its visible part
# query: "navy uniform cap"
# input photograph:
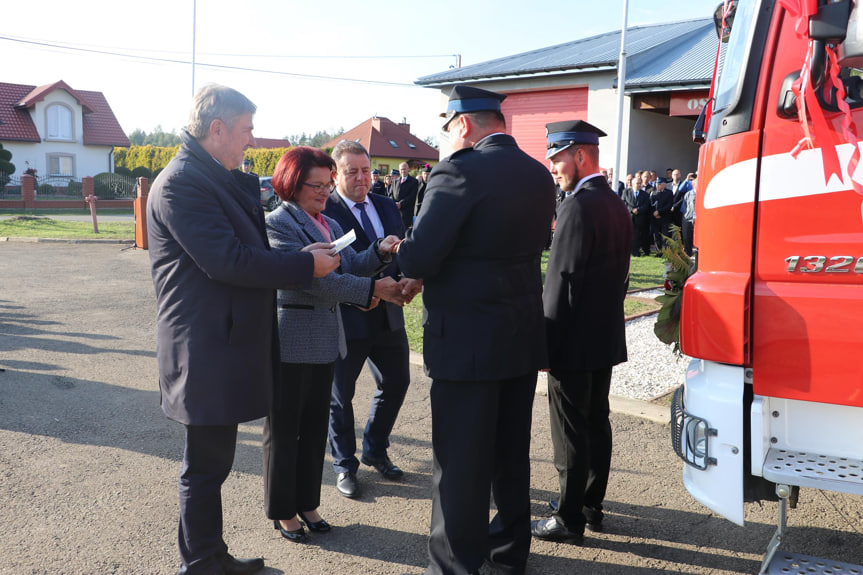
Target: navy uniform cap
(562, 135)
(376, 173)
(395, 173)
(464, 99)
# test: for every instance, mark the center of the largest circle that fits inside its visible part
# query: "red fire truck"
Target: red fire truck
(773, 400)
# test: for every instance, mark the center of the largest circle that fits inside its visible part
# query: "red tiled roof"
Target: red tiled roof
(100, 128)
(15, 124)
(270, 143)
(376, 133)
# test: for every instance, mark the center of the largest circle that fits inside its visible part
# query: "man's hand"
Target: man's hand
(324, 262)
(375, 301)
(388, 244)
(317, 246)
(656, 214)
(410, 288)
(635, 211)
(389, 290)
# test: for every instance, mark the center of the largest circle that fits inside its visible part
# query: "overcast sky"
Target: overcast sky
(308, 66)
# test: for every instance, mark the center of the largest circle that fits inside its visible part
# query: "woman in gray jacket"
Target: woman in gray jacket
(311, 338)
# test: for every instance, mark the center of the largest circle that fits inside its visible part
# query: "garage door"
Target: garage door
(527, 113)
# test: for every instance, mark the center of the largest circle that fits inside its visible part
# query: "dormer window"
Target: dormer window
(59, 124)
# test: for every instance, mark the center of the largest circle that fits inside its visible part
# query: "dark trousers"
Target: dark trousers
(581, 437)
(686, 232)
(661, 227)
(295, 440)
(207, 460)
(640, 235)
(481, 444)
(388, 355)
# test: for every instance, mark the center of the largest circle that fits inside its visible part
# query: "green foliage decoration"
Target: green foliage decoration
(7, 168)
(679, 266)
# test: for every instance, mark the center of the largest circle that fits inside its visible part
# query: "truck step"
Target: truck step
(813, 470)
(795, 564)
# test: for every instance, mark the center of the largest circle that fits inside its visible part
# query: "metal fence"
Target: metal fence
(107, 187)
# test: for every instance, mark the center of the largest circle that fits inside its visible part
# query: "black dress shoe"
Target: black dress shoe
(347, 485)
(384, 466)
(551, 530)
(297, 535)
(232, 566)
(317, 526)
(595, 525)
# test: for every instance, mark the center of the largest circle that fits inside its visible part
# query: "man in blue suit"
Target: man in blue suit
(376, 335)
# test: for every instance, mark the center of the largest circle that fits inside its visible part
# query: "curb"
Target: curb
(619, 404)
(62, 241)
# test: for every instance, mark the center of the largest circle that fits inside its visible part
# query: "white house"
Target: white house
(58, 131)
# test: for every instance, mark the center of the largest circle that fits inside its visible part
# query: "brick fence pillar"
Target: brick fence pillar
(28, 191)
(88, 186)
(140, 205)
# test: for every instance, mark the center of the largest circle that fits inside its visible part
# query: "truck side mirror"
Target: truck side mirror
(699, 132)
(851, 50)
(723, 32)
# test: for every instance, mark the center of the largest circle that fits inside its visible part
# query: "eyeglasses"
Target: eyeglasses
(328, 187)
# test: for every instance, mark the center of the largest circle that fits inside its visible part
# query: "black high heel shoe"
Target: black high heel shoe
(317, 526)
(297, 535)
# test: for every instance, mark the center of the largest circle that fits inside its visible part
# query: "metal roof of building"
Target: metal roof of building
(676, 53)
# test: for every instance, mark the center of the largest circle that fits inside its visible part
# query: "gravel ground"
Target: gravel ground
(652, 368)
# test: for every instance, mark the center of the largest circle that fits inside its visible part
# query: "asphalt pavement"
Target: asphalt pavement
(89, 465)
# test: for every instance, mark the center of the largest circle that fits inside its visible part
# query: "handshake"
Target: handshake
(398, 292)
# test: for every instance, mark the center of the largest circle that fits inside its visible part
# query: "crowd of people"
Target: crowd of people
(655, 204)
(262, 316)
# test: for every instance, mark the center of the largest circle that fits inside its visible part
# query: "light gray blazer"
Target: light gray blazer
(310, 323)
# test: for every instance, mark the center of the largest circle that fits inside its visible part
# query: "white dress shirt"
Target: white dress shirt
(370, 210)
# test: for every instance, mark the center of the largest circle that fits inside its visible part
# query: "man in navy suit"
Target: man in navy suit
(477, 245)
(215, 279)
(376, 335)
(404, 191)
(585, 285)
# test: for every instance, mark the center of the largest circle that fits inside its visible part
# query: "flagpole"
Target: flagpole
(194, 18)
(621, 84)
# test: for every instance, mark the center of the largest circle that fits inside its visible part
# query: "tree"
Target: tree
(7, 168)
(317, 140)
(158, 138)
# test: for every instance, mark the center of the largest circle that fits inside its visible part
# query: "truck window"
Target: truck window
(735, 57)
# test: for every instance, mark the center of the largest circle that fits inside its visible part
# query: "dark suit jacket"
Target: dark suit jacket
(586, 280)
(642, 203)
(359, 324)
(215, 281)
(477, 245)
(406, 194)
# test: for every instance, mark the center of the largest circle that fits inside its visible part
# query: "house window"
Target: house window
(61, 165)
(393, 144)
(411, 146)
(59, 123)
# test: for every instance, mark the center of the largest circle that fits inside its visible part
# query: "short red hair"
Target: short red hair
(293, 169)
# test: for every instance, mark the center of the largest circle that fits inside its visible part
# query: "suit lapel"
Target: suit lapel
(304, 221)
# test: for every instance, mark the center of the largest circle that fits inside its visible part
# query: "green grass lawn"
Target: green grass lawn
(44, 227)
(644, 272)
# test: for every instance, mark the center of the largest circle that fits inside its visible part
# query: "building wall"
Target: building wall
(649, 140)
(88, 160)
(657, 142)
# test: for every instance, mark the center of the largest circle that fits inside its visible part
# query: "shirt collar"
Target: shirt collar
(583, 180)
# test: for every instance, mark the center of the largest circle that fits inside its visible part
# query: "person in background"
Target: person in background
(661, 202)
(585, 285)
(404, 192)
(687, 232)
(378, 187)
(311, 339)
(678, 187)
(215, 280)
(477, 245)
(423, 180)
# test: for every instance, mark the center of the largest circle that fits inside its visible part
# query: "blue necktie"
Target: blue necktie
(367, 223)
